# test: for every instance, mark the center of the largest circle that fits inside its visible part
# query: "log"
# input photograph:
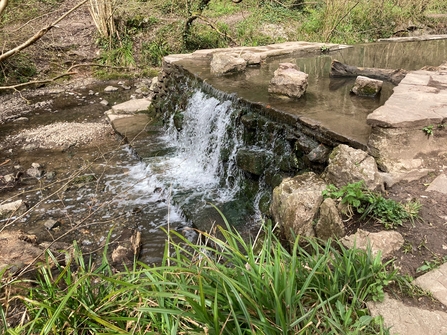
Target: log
(338, 69)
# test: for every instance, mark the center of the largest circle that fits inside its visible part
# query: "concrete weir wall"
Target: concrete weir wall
(296, 142)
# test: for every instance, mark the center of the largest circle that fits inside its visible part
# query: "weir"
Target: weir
(228, 143)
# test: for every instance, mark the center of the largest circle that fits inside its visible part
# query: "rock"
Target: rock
(295, 203)
(104, 102)
(36, 165)
(21, 120)
(319, 155)
(408, 320)
(367, 87)
(111, 89)
(9, 178)
(348, 165)
(17, 248)
(252, 58)
(225, 63)
(330, 224)
(288, 81)
(253, 160)
(435, 281)
(50, 175)
(17, 206)
(132, 106)
(128, 248)
(438, 185)
(50, 224)
(385, 242)
(34, 172)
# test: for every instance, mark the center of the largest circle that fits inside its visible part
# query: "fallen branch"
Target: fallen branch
(38, 35)
(338, 69)
(69, 72)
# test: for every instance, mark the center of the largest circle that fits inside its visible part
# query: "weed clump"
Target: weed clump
(372, 205)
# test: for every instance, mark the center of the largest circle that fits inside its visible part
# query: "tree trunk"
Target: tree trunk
(339, 69)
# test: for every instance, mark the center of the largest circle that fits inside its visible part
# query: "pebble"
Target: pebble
(111, 89)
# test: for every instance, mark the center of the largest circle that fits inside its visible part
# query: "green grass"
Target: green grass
(223, 286)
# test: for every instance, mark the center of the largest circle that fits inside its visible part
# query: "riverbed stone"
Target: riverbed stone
(288, 81)
(367, 87)
(385, 242)
(132, 106)
(111, 89)
(295, 203)
(50, 224)
(18, 249)
(348, 165)
(17, 206)
(330, 223)
(225, 63)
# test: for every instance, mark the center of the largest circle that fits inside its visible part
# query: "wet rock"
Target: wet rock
(18, 249)
(111, 89)
(224, 63)
(288, 81)
(367, 87)
(385, 242)
(17, 207)
(128, 248)
(295, 203)
(320, 154)
(330, 223)
(348, 165)
(50, 224)
(253, 160)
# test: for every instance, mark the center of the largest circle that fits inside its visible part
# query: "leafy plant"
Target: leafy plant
(428, 130)
(434, 263)
(373, 205)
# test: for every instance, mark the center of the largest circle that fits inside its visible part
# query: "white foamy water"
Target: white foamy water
(194, 171)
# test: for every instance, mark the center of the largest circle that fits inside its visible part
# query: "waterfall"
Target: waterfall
(197, 165)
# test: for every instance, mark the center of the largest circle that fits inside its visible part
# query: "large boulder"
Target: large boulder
(348, 165)
(330, 223)
(225, 63)
(295, 203)
(288, 81)
(367, 87)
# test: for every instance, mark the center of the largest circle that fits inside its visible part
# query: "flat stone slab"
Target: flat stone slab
(132, 106)
(407, 320)
(439, 184)
(384, 241)
(419, 100)
(435, 281)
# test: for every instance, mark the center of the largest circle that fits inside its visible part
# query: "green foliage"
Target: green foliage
(373, 205)
(118, 53)
(224, 286)
(18, 69)
(153, 52)
(428, 130)
(434, 263)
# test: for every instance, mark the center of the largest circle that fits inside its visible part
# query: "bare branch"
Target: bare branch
(69, 72)
(38, 35)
